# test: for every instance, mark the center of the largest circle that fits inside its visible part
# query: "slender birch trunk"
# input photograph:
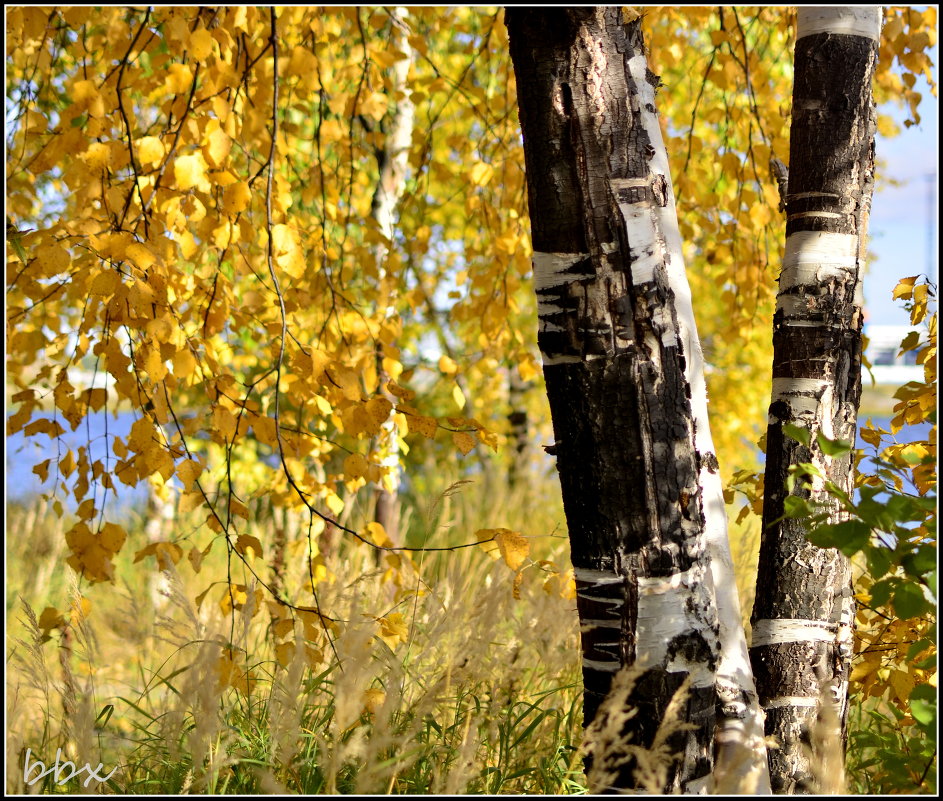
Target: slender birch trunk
(804, 610)
(517, 423)
(625, 383)
(392, 161)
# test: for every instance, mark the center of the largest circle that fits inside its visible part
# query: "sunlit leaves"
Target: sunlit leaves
(226, 286)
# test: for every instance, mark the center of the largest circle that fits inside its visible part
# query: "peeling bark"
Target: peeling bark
(804, 609)
(620, 355)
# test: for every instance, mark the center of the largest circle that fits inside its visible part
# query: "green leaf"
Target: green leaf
(832, 447)
(794, 506)
(799, 434)
(881, 592)
(923, 705)
(849, 537)
(921, 561)
(909, 601)
(918, 647)
(879, 561)
(928, 664)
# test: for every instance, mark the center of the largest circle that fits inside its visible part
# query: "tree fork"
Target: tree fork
(804, 610)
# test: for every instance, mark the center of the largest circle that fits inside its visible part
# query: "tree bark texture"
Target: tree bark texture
(393, 162)
(610, 287)
(804, 610)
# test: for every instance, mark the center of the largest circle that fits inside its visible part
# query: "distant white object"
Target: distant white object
(887, 363)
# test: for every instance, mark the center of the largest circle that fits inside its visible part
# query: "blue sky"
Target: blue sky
(903, 217)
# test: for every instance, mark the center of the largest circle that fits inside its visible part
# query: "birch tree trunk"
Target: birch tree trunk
(518, 427)
(624, 379)
(392, 161)
(804, 610)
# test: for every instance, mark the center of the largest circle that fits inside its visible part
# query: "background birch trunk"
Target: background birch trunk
(393, 161)
(518, 428)
(621, 357)
(804, 610)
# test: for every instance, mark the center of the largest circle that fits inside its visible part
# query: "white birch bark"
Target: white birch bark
(390, 187)
(804, 613)
(741, 726)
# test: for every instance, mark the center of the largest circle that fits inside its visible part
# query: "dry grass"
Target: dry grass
(475, 692)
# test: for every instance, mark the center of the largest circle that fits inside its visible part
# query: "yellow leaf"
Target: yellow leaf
(96, 398)
(237, 507)
(393, 630)
(447, 365)
(283, 628)
(420, 424)
(355, 466)
(200, 44)
(216, 147)
(871, 436)
(481, 173)
(379, 410)
(463, 441)
(377, 534)
(67, 464)
(229, 674)
(154, 365)
(235, 596)
(902, 683)
(458, 396)
(904, 289)
(760, 214)
(150, 150)
(184, 363)
(112, 537)
(374, 106)
(163, 552)
(188, 472)
(248, 545)
(265, 431)
(190, 172)
(141, 255)
(80, 610)
(488, 438)
(236, 198)
(86, 510)
(179, 78)
(514, 548)
(516, 586)
(373, 699)
(54, 259)
(486, 538)
(886, 126)
(51, 618)
(285, 652)
(224, 421)
(86, 96)
(347, 380)
(42, 470)
(195, 557)
(400, 392)
(97, 156)
(334, 503)
(189, 501)
(105, 283)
